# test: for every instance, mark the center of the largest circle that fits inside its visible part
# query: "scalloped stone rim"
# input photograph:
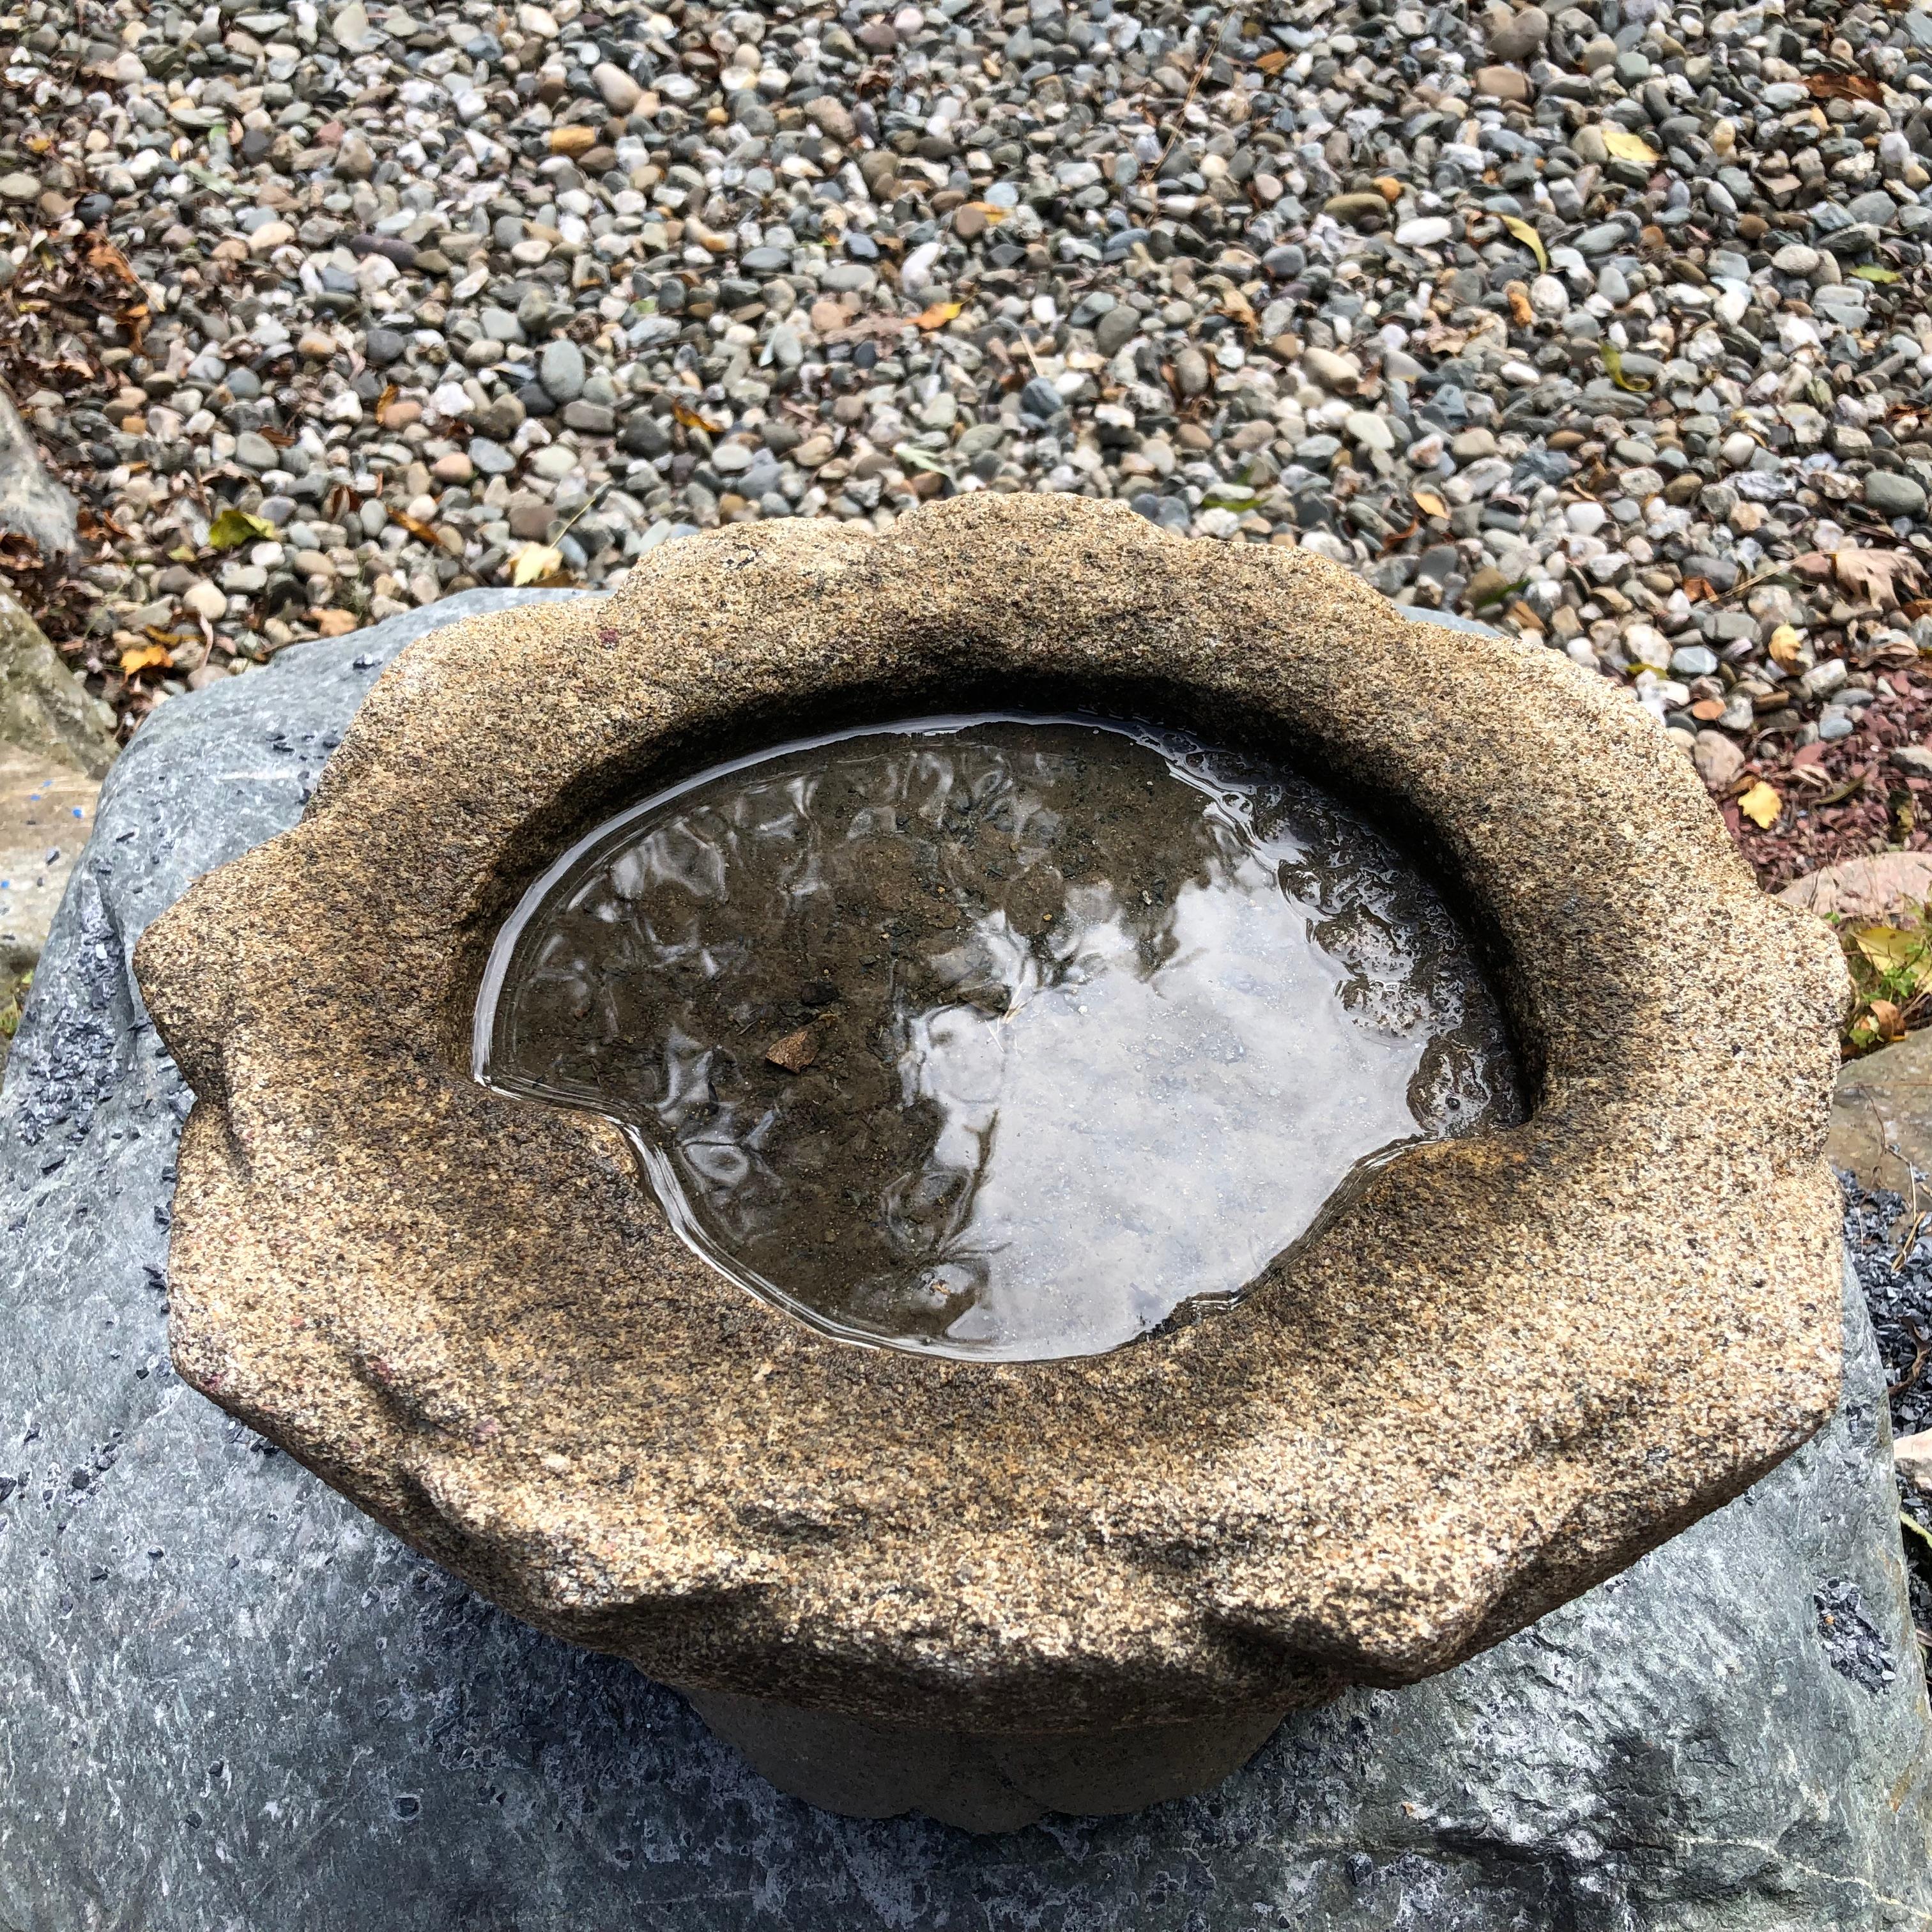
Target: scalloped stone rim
(1508, 1366)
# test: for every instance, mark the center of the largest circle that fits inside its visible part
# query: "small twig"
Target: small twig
(1750, 584)
(1193, 86)
(1897, 1389)
(1907, 1245)
(584, 509)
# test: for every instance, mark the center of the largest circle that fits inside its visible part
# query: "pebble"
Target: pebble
(562, 371)
(475, 270)
(1717, 759)
(1894, 495)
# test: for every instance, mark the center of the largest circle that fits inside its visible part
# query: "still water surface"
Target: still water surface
(998, 1037)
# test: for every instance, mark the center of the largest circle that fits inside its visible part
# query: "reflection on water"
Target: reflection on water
(997, 1038)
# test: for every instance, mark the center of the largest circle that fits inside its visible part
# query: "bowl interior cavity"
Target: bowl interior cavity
(1000, 1036)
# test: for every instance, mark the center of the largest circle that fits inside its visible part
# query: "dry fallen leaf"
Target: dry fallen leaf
(534, 562)
(415, 527)
(691, 419)
(1235, 303)
(1889, 1021)
(1613, 362)
(1875, 574)
(1892, 950)
(146, 657)
(1429, 503)
(233, 528)
(795, 1052)
(936, 316)
(1784, 646)
(1761, 806)
(1527, 235)
(1843, 87)
(1625, 146)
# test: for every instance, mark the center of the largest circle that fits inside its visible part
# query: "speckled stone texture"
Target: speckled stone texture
(232, 1703)
(1511, 1365)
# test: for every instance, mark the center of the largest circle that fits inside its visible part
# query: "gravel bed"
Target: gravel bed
(1606, 323)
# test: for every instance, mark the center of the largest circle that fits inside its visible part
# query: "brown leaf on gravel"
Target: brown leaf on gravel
(1236, 305)
(1843, 87)
(1876, 575)
(19, 551)
(104, 259)
(691, 419)
(795, 1052)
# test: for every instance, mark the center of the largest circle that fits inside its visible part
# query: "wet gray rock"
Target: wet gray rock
(231, 1701)
(1892, 495)
(44, 709)
(561, 371)
(32, 503)
(1521, 37)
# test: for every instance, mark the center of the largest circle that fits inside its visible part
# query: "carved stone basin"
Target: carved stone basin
(1503, 1367)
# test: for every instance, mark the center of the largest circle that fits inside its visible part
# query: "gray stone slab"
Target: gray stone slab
(230, 1702)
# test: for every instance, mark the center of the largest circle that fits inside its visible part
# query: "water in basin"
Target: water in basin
(998, 1037)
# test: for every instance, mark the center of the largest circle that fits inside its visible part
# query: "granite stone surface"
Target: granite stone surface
(232, 1702)
(1500, 1370)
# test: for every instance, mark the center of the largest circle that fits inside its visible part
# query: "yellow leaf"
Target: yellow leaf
(937, 316)
(1784, 647)
(1890, 948)
(691, 419)
(1628, 147)
(1613, 361)
(145, 657)
(534, 562)
(1761, 806)
(1527, 235)
(1429, 503)
(233, 528)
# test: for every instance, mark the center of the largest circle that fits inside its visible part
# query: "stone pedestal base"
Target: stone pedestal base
(979, 1783)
